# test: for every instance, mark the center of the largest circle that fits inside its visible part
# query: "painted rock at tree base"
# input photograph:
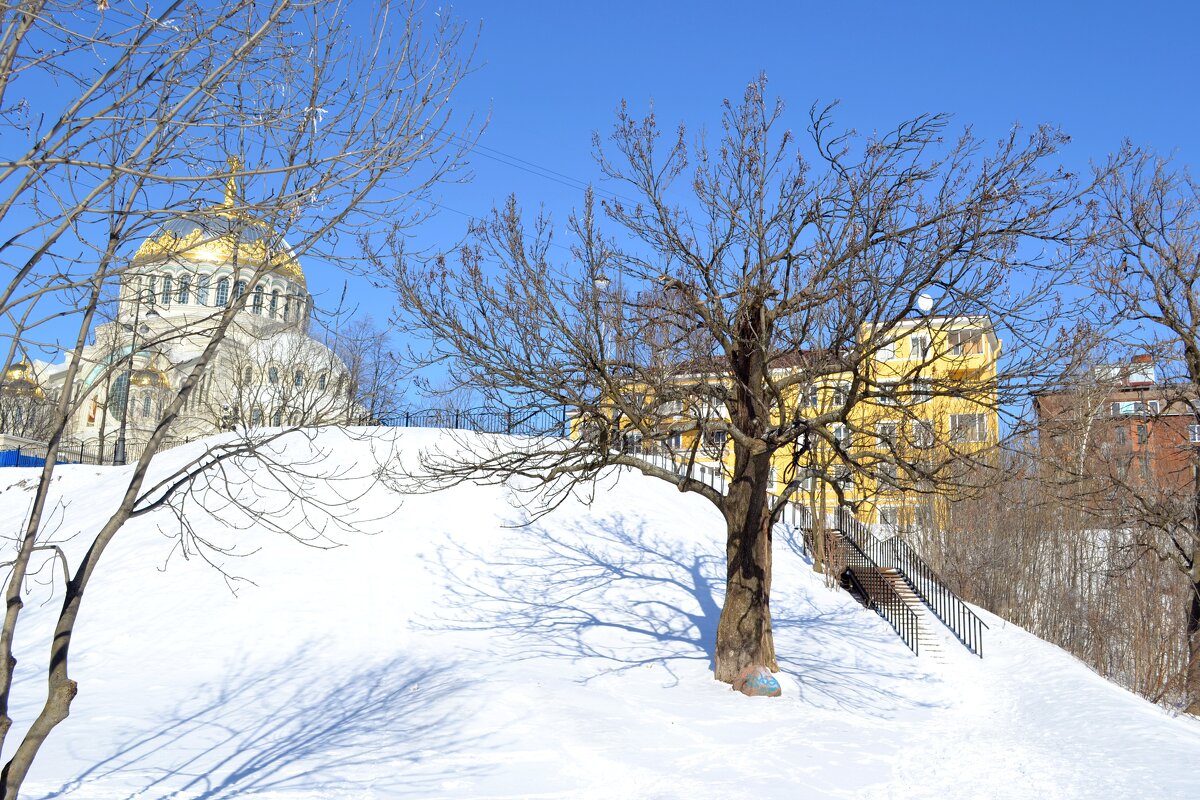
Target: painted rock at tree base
(757, 681)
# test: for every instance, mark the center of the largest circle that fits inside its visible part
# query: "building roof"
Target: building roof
(220, 236)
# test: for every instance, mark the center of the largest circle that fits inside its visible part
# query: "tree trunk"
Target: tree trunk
(744, 631)
(1192, 676)
(1191, 681)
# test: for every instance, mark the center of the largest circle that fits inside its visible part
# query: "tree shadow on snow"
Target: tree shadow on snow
(845, 657)
(612, 593)
(391, 727)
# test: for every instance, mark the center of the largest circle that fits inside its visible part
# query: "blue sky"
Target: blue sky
(551, 73)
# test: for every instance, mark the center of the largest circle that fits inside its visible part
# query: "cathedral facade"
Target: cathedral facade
(268, 371)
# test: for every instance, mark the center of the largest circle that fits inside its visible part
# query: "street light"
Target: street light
(134, 330)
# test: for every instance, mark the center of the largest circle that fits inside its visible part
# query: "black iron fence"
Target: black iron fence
(964, 623)
(72, 452)
(516, 422)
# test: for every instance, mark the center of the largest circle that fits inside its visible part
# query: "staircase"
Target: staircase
(889, 577)
(929, 638)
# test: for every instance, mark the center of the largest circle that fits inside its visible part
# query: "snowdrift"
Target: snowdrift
(322, 635)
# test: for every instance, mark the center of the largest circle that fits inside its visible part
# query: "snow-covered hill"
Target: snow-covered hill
(443, 651)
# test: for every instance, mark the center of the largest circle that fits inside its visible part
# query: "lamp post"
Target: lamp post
(119, 453)
(601, 284)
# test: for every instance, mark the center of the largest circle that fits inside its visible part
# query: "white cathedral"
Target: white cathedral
(268, 371)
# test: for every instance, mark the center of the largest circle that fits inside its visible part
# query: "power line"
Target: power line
(532, 168)
(475, 217)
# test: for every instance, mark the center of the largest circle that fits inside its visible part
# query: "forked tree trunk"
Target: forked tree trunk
(744, 631)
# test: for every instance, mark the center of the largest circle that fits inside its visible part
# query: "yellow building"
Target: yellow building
(919, 419)
(923, 423)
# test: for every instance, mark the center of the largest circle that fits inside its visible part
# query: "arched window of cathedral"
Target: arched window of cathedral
(256, 416)
(299, 379)
(239, 289)
(274, 303)
(146, 405)
(118, 396)
(273, 375)
(277, 419)
(202, 290)
(185, 290)
(248, 375)
(287, 307)
(258, 300)
(153, 290)
(321, 381)
(223, 292)
(165, 297)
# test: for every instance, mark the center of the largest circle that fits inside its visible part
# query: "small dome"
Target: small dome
(19, 380)
(220, 236)
(150, 377)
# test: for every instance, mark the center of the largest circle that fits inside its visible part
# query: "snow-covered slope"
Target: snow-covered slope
(442, 652)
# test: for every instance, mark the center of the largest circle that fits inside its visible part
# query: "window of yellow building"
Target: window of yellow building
(966, 342)
(922, 433)
(968, 427)
(918, 347)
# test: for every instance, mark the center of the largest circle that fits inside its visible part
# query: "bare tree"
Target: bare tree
(1149, 274)
(750, 276)
(373, 374)
(329, 126)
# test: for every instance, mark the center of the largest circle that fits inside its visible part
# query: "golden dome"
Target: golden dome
(150, 377)
(221, 236)
(19, 380)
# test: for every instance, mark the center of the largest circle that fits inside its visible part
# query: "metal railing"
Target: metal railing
(964, 623)
(540, 422)
(71, 452)
(895, 553)
(863, 571)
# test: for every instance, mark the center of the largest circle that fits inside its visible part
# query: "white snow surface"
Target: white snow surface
(444, 650)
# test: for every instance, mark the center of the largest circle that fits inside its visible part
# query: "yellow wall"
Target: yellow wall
(971, 372)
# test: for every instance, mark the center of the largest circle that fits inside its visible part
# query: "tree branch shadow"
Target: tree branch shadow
(613, 592)
(612, 595)
(393, 727)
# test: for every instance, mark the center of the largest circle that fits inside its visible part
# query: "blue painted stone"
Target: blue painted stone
(757, 681)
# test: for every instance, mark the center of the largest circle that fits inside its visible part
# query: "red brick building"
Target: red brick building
(1125, 427)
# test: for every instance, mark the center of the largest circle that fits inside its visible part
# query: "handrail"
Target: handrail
(898, 554)
(964, 623)
(881, 596)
